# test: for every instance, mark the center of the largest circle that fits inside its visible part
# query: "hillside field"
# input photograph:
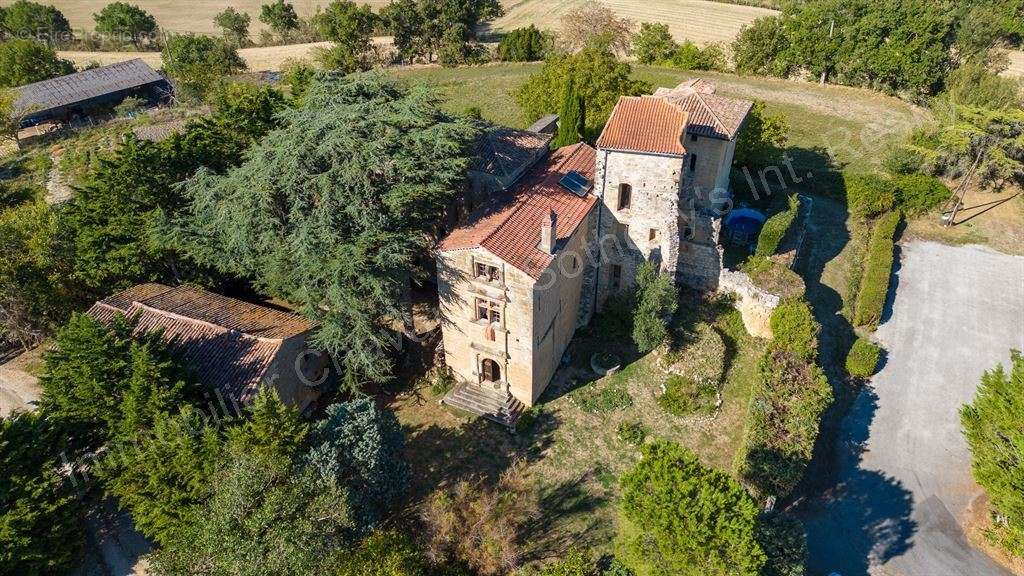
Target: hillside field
(184, 15)
(698, 20)
(854, 124)
(257, 58)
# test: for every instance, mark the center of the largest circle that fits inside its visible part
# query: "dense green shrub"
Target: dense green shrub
(868, 195)
(32, 20)
(775, 229)
(163, 478)
(358, 446)
(600, 78)
(874, 285)
(789, 398)
(632, 432)
(653, 43)
(390, 553)
(688, 515)
(689, 56)
(40, 526)
(199, 63)
(992, 427)
(106, 383)
(794, 329)
(862, 359)
(657, 299)
(919, 193)
(784, 540)
(26, 61)
(684, 396)
(903, 160)
(761, 47)
(524, 45)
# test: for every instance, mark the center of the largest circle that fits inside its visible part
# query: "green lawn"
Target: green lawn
(853, 124)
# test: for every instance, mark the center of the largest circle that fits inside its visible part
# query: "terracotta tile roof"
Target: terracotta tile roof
(509, 226)
(228, 343)
(645, 124)
(710, 114)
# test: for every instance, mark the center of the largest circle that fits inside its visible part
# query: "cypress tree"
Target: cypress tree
(992, 427)
(572, 119)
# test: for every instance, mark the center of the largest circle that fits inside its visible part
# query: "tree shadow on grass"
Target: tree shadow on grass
(567, 518)
(441, 456)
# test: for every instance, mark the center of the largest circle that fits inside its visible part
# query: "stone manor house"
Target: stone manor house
(546, 238)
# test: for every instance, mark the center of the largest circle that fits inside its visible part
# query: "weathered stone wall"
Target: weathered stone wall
(755, 305)
(538, 319)
(465, 339)
(649, 228)
(284, 375)
(557, 297)
(714, 159)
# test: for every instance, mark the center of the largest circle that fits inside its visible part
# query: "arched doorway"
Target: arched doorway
(490, 370)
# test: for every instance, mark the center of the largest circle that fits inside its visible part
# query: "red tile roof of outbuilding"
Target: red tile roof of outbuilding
(228, 343)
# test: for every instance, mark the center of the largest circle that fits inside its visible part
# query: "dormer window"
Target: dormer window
(625, 196)
(487, 273)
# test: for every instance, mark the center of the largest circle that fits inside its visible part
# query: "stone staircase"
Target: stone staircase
(484, 400)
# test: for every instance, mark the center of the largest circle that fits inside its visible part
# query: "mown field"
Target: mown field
(184, 15)
(697, 20)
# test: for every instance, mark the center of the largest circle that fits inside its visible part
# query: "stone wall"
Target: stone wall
(649, 228)
(755, 305)
(466, 342)
(538, 318)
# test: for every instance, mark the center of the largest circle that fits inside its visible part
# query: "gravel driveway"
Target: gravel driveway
(903, 480)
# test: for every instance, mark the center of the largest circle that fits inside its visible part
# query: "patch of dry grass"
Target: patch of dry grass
(993, 219)
(1016, 67)
(258, 58)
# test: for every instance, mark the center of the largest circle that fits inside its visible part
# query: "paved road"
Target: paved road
(903, 469)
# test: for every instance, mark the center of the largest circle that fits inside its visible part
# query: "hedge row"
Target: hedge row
(789, 397)
(874, 285)
(869, 195)
(775, 228)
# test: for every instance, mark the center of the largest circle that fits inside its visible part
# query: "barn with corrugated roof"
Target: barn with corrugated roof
(82, 93)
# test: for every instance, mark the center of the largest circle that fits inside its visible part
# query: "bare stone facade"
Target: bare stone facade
(659, 172)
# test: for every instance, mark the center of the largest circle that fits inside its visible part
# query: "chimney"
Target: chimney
(547, 233)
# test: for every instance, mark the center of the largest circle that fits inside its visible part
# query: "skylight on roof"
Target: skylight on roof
(576, 183)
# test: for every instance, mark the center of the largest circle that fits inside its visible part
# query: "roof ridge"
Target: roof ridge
(721, 125)
(176, 316)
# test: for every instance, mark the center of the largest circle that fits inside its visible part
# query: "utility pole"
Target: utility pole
(831, 32)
